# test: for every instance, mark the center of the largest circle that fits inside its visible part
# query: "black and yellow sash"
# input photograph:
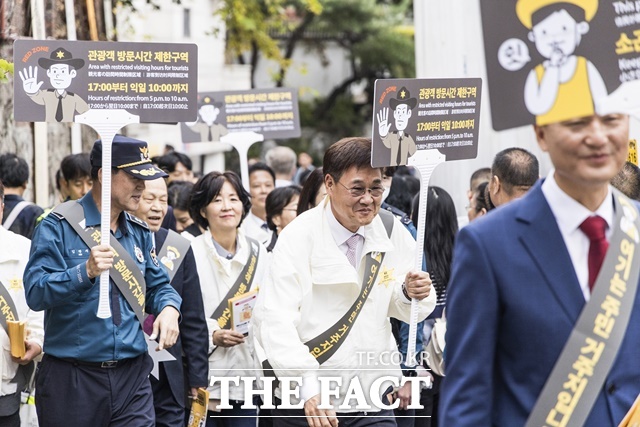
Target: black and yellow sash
(582, 368)
(7, 308)
(323, 346)
(125, 273)
(172, 252)
(222, 314)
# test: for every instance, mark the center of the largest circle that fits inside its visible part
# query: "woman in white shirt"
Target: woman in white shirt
(226, 259)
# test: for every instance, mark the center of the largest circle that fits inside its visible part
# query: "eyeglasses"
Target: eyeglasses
(359, 191)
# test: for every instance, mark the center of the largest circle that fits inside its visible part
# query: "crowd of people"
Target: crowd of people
(328, 252)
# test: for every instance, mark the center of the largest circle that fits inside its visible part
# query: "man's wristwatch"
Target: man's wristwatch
(404, 291)
(409, 373)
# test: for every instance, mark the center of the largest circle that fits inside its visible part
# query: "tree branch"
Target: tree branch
(296, 35)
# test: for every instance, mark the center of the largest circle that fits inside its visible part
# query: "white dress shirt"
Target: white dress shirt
(341, 235)
(569, 214)
(253, 227)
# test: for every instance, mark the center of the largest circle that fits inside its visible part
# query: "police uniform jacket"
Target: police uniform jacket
(312, 284)
(217, 276)
(56, 281)
(14, 253)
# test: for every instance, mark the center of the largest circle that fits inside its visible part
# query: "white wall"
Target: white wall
(449, 44)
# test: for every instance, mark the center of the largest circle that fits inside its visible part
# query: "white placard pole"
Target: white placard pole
(241, 141)
(424, 161)
(107, 123)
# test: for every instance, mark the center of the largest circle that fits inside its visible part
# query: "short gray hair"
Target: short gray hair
(281, 159)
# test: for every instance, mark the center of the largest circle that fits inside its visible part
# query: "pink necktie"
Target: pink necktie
(352, 244)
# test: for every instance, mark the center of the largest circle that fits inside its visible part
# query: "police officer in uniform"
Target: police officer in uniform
(95, 371)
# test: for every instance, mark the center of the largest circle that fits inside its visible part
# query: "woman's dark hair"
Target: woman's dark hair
(208, 187)
(440, 231)
(399, 194)
(310, 190)
(479, 197)
(179, 194)
(277, 200)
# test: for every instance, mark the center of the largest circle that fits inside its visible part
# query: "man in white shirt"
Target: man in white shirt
(261, 182)
(521, 278)
(14, 254)
(316, 276)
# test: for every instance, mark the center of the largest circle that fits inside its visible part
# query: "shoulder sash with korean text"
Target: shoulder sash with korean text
(582, 368)
(323, 346)
(125, 273)
(222, 314)
(8, 310)
(178, 247)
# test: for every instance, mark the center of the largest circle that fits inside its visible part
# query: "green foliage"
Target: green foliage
(6, 70)
(376, 34)
(250, 23)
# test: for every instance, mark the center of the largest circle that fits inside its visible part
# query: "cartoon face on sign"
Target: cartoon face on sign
(564, 85)
(60, 105)
(206, 125)
(401, 143)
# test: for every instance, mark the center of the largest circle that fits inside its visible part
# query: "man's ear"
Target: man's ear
(494, 185)
(541, 132)
(73, 73)
(328, 183)
(100, 176)
(582, 28)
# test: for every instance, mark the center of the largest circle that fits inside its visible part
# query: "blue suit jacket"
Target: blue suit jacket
(193, 339)
(513, 301)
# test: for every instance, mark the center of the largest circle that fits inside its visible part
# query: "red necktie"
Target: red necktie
(594, 228)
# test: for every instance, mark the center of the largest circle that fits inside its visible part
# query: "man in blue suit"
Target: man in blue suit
(520, 279)
(175, 381)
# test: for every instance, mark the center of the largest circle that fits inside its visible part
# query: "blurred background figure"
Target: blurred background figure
(478, 177)
(179, 197)
(478, 203)
(313, 191)
(441, 228)
(219, 203)
(283, 162)
(262, 181)
(178, 165)
(19, 214)
(513, 173)
(75, 176)
(397, 197)
(305, 167)
(282, 208)
(628, 181)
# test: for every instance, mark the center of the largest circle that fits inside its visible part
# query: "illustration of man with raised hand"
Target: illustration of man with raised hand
(400, 143)
(60, 105)
(565, 85)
